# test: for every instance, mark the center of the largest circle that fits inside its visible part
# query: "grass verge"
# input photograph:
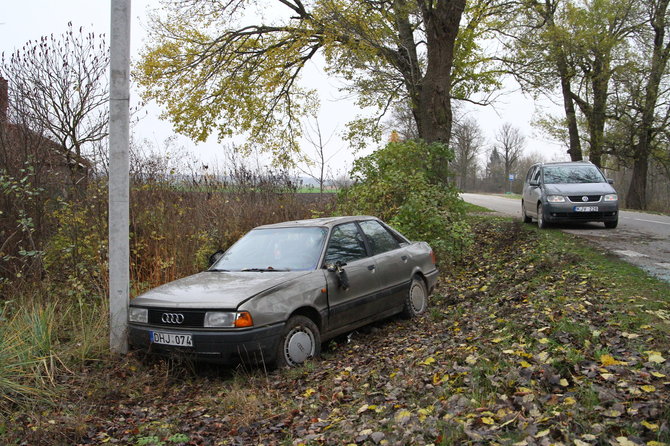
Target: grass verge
(533, 339)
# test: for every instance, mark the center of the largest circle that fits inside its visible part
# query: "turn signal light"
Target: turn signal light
(244, 319)
(432, 257)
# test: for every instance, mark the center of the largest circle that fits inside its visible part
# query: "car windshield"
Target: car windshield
(274, 249)
(572, 174)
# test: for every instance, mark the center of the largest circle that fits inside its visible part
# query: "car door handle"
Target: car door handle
(371, 267)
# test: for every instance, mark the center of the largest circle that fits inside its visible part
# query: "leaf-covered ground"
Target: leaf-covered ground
(533, 339)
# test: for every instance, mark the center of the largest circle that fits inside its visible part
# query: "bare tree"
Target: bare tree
(510, 143)
(468, 141)
(59, 86)
(316, 166)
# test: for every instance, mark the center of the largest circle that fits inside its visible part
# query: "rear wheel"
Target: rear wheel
(417, 298)
(526, 218)
(299, 342)
(541, 222)
(611, 224)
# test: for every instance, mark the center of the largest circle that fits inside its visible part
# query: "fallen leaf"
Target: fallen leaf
(648, 388)
(488, 420)
(541, 434)
(656, 357)
(607, 360)
(650, 426)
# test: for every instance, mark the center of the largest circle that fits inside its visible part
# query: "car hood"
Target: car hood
(214, 289)
(579, 189)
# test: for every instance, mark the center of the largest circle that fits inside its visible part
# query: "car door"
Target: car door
(534, 192)
(350, 304)
(394, 265)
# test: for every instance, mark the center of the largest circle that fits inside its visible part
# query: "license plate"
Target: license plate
(585, 208)
(181, 340)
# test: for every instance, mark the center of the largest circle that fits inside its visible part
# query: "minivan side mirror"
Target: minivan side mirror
(610, 181)
(534, 183)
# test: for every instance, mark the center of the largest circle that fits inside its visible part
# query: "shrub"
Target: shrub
(403, 184)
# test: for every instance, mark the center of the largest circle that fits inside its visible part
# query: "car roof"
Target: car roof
(566, 163)
(323, 222)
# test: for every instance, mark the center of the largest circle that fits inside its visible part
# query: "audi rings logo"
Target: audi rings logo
(172, 318)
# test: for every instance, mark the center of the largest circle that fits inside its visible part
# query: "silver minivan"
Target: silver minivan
(568, 192)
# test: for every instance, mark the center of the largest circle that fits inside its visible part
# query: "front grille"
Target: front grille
(578, 198)
(192, 318)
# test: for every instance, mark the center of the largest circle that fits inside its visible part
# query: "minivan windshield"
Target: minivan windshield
(274, 249)
(572, 175)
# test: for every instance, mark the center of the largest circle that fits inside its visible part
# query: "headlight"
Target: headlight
(140, 315)
(555, 198)
(611, 197)
(228, 319)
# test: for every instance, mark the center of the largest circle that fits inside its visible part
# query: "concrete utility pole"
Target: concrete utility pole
(119, 177)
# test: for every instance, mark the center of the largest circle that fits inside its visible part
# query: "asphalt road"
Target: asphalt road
(640, 238)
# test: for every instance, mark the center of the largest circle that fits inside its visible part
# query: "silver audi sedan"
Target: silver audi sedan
(283, 289)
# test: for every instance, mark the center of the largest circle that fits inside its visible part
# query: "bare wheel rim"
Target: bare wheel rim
(417, 298)
(299, 345)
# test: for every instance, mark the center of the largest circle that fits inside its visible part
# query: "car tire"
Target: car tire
(299, 342)
(416, 300)
(541, 222)
(526, 218)
(611, 224)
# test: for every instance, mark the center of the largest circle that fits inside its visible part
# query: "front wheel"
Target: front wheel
(299, 342)
(611, 224)
(417, 298)
(541, 222)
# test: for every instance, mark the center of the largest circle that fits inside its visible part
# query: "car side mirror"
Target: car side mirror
(215, 257)
(335, 267)
(340, 273)
(534, 183)
(610, 181)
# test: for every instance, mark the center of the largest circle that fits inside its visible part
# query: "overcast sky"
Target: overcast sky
(21, 21)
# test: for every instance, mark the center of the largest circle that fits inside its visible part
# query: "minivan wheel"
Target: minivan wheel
(526, 218)
(299, 342)
(611, 224)
(417, 298)
(541, 222)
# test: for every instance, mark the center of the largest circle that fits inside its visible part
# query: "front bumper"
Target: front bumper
(565, 212)
(251, 346)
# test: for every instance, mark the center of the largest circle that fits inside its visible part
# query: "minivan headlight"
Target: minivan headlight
(227, 319)
(611, 197)
(555, 198)
(140, 315)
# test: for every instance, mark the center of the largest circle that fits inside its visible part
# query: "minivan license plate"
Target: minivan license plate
(586, 208)
(182, 340)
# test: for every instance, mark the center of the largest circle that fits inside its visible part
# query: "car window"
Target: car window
(379, 238)
(346, 244)
(275, 249)
(529, 175)
(572, 175)
(536, 176)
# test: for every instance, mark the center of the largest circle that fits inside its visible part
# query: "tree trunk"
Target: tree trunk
(575, 150)
(637, 193)
(441, 20)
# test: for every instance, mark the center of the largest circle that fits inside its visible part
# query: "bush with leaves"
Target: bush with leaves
(402, 183)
